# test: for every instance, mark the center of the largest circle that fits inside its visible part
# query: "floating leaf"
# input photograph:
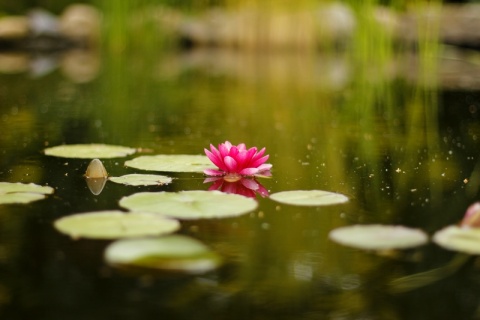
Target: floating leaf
(190, 204)
(22, 197)
(115, 224)
(96, 170)
(89, 151)
(171, 163)
(22, 192)
(466, 240)
(378, 237)
(309, 197)
(141, 179)
(173, 253)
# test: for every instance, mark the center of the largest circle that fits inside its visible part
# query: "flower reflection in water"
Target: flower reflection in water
(234, 183)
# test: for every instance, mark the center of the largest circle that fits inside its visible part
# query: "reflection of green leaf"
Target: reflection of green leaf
(171, 163)
(89, 151)
(115, 224)
(378, 237)
(173, 253)
(421, 279)
(22, 193)
(466, 240)
(141, 179)
(190, 204)
(309, 197)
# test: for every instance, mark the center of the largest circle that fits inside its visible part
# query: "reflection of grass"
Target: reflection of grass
(345, 122)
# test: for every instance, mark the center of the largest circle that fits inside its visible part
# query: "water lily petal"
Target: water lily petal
(224, 149)
(215, 151)
(262, 191)
(250, 183)
(258, 162)
(249, 171)
(471, 218)
(213, 172)
(231, 164)
(216, 185)
(233, 152)
(242, 159)
(264, 173)
(265, 167)
(212, 179)
(258, 155)
(215, 159)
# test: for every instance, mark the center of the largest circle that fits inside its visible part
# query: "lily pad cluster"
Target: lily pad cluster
(158, 213)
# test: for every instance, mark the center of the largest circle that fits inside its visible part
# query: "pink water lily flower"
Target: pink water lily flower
(236, 160)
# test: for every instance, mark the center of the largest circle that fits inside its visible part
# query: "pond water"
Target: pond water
(405, 151)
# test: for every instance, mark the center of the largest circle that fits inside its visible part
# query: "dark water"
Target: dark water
(405, 153)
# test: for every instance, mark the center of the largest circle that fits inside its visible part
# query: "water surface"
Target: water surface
(404, 151)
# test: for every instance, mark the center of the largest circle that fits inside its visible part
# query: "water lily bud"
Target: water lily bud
(471, 219)
(96, 170)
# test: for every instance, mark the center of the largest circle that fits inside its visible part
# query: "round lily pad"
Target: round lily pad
(378, 237)
(172, 253)
(171, 163)
(22, 192)
(309, 197)
(142, 180)
(89, 151)
(114, 225)
(190, 204)
(466, 240)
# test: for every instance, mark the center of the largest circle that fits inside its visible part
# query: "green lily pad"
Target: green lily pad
(171, 163)
(141, 180)
(309, 197)
(172, 253)
(89, 151)
(22, 192)
(455, 238)
(190, 204)
(115, 224)
(378, 237)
